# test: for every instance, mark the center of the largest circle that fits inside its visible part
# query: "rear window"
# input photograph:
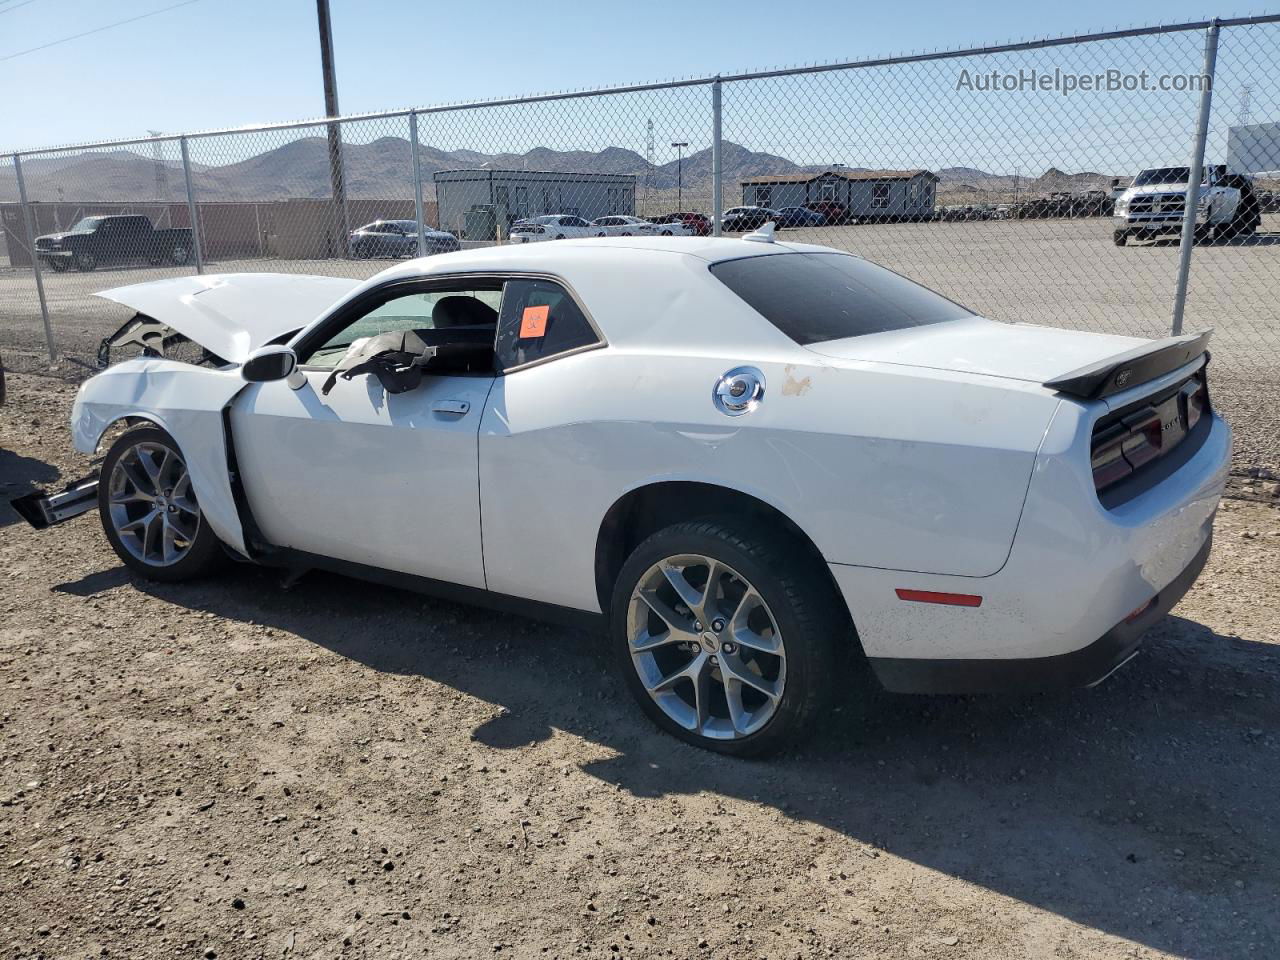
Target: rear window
(812, 297)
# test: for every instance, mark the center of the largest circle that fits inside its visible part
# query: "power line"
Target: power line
(89, 33)
(9, 9)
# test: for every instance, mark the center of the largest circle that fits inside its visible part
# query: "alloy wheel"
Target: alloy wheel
(706, 647)
(153, 509)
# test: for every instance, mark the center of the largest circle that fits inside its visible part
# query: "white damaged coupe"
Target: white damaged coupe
(750, 459)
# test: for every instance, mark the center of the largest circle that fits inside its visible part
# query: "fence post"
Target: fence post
(197, 244)
(35, 260)
(417, 184)
(717, 174)
(1197, 172)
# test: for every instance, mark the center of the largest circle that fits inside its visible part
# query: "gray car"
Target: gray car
(398, 238)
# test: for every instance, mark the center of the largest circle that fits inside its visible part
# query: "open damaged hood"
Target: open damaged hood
(232, 314)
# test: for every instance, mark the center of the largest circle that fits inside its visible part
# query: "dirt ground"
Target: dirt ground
(229, 769)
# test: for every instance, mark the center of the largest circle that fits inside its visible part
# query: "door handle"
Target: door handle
(457, 408)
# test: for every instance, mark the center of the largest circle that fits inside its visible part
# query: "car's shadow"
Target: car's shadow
(1146, 807)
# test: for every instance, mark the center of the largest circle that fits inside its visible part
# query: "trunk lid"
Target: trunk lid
(233, 314)
(1087, 365)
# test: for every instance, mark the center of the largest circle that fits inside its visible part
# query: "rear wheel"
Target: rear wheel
(149, 509)
(728, 636)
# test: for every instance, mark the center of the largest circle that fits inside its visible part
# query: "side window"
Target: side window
(472, 314)
(539, 320)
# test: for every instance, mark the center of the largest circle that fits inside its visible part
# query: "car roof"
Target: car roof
(627, 284)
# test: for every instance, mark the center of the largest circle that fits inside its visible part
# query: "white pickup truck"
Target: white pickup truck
(1154, 203)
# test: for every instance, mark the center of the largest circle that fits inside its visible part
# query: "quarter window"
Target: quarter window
(539, 319)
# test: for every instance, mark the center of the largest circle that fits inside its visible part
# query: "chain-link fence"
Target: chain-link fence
(1050, 182)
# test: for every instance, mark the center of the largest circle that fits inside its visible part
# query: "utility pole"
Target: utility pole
(337, 180)
(162, 175)
(680, 145)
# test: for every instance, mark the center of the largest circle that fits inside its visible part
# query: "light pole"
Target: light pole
(680, 145)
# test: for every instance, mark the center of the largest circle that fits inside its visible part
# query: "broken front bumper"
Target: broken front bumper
(43, 510)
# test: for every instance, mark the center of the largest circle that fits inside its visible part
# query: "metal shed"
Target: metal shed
(510, 195)
(882, 194)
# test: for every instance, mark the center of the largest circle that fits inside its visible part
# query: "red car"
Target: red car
(833, 211)
(699, 224)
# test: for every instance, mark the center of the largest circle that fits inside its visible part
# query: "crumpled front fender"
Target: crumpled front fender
(185, 401)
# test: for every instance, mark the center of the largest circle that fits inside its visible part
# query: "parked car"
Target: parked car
(625, 226)
(398, 238)
(831, 211)
(558, 226)
(123, 238)
(1154, 205)
(740, 219)
(698, 224)
(739, 456)
(800, 217)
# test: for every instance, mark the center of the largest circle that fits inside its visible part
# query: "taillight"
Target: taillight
(1125, 442)
(1196, 398)
(1109, 464)
(1143, 443)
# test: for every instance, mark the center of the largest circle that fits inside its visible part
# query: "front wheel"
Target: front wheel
(179, 254)
(1120, 237)
(149, 509)
(728, 636)
(86, 262)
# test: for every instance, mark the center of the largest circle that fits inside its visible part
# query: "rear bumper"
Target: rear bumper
(1079, 668)
(1054, 614)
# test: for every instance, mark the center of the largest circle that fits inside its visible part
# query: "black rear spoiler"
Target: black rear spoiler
(1132, 367)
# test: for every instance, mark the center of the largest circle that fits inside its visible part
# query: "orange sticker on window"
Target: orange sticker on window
(533, 323)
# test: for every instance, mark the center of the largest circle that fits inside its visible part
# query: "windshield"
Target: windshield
(1162, 175)
(86, 225)
(812, 297)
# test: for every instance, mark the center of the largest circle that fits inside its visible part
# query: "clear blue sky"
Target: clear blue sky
(222, 63)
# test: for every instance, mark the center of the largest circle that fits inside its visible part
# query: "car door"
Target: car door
(575, 227)
(385, 480)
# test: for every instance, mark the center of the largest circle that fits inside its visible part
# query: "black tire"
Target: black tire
(801, 599)
(86, 262)
(1120, 237)
(180, 254)
(203, 556)
(58, 264)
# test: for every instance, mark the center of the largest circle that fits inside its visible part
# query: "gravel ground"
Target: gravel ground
(229, 769)
(1062, 273)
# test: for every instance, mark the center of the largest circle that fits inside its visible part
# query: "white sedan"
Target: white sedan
(558, 226)
(624, 226)
(747, 459)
